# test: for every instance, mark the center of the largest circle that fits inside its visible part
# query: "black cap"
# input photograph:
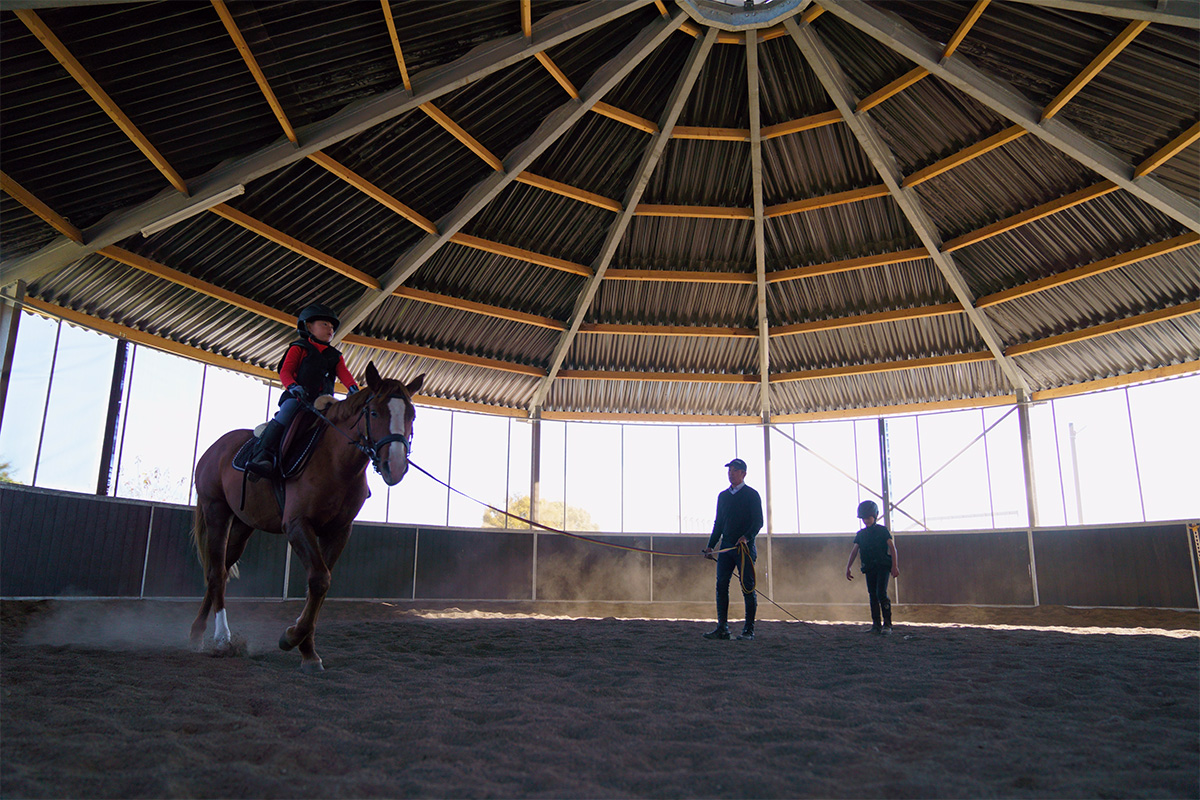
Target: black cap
(737, 463)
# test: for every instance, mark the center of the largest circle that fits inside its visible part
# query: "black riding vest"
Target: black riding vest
(317, 369)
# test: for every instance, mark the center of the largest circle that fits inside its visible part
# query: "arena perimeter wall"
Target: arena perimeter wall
(56, 544)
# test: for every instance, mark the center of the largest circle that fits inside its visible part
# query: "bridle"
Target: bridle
(362, 426)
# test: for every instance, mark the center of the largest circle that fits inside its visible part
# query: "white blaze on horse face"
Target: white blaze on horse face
(220, 628)
(397, 460)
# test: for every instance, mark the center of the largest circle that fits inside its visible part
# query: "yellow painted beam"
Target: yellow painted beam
(803, 124)
(892, 89)
(456, 130)
(693, 212)
(883, 366)
(668, 330)
(89, 85)
(371, 190)
(1168, 151)
(655, 377)
(1156, 374)
(292, 243)
(556, 73)
(1088, 270)
(1032, 215)
(626, 117)
(679, 276)
(459, 304)
(967, 154)
(1105, 329)
(1093, 69)
(442, 355)
(711, 134)
(252, 64)
(48, 215)
(964, 27)
(391, 26)
(847, 265)
(875, 318)
(508, 251)
(566, 190)
(826, 201)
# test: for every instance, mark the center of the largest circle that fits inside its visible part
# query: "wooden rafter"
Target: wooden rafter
(662, 9)
(626, 117)
(1032, 215)
(195, 284)
(508, 251)
(1089, 270)
(395, 37)
(252, 64)
(48, 215)
(557, 73)
(565, 190)
(900, 408)
(883, 366)
(1093, 69)
(964, 27)
(827, 201)
(678, 276)
(655, 377)
(527, 18)
(292, 243)
(89, 85)
(442, 355)
(892, 89)
(459, 304)
(692, 212)
(1167, 151)
(668, 330)
(847, 265)
(371, 190)
(1156, 374)
(963, 156)
(1117, 326)
(811, 13)
(874, 318)
(456, 130)
(802, 124)
(711, 134)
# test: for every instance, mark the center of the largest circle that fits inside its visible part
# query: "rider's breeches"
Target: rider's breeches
(877, 584)
(287, 411)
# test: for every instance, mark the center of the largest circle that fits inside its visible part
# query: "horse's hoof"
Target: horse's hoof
(285, 642)
(312, 667)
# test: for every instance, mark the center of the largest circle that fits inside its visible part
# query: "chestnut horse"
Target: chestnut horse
(371, 426)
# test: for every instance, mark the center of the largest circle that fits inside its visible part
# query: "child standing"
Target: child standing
(308, 370)
(878, 549)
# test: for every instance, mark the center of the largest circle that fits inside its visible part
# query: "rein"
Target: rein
(363, 443)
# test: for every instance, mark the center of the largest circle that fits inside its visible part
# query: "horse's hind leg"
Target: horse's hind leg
(216, 519)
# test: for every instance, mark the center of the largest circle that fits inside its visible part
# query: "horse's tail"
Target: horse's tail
(200, 542)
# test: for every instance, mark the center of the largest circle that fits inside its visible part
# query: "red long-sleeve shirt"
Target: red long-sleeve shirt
(291, 361)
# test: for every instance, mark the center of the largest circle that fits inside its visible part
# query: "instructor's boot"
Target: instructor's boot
(719, 632)
(263, 462)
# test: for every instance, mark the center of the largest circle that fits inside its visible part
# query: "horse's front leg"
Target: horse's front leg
(307, 548)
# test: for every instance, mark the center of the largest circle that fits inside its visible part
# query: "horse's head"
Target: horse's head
(388, 416)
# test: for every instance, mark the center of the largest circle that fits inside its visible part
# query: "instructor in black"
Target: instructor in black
(739, 518)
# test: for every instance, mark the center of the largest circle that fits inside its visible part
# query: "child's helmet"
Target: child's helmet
(313, 312)
(868, 508)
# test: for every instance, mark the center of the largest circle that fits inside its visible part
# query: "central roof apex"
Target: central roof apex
(741, 15)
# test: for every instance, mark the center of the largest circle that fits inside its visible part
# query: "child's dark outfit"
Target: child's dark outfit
(876, 563)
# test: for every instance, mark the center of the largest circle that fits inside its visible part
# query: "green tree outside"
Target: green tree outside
(549, 513)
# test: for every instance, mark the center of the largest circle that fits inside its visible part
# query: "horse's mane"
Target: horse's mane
(354, 404)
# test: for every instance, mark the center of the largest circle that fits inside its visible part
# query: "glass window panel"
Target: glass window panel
(552, 492)
(158, 440)
(520, 432)
(828, 492)
(477, 466)
(417, 500)
(25, 404)
(703, 449)
(1006, 469)
(1102, 458)
(1047, 475)
(750, 448)
(593, 477)
(229, 402)
(870, 475)
(904, 465)
(1166, 431)
(651, 479)
(955, 486)
(783, 481)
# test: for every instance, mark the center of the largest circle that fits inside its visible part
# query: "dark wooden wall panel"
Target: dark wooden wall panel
(480, 565)
(812, 569)
(1144, 567)
(684, 580)
(58, 543)
(377, 562)
(981, 569)
(570, 569)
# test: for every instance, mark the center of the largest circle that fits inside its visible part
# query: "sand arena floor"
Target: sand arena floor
(106, 699)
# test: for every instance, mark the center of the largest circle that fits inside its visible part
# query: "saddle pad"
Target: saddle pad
(294, 460)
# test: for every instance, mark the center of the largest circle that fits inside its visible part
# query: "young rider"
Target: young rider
(308, 370)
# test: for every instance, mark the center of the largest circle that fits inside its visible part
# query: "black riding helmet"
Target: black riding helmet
(314, 312)
(868, 508)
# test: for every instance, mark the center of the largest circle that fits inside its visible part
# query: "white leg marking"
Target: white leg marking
(221, 629)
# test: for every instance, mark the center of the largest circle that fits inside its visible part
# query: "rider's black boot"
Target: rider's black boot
(263, 462)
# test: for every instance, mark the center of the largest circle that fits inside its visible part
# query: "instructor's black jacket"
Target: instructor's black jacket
(738, 515)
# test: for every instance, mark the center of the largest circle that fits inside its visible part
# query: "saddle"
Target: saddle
(299, 442)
